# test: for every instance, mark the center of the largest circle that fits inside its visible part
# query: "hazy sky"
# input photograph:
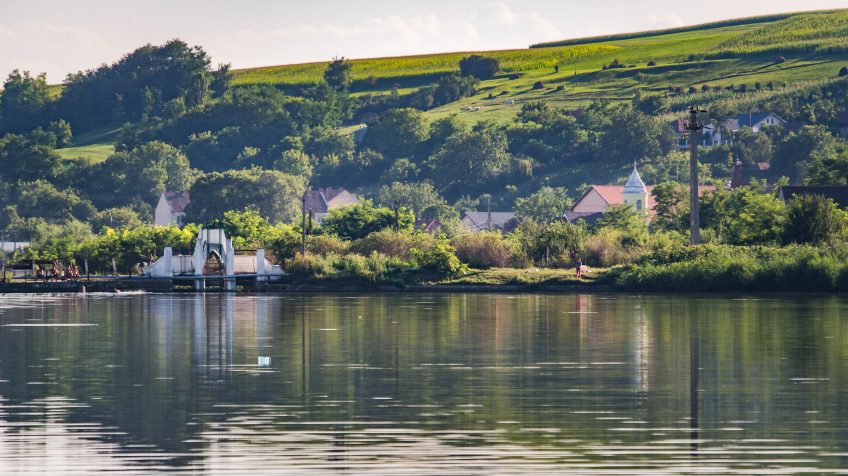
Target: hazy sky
(61, 36)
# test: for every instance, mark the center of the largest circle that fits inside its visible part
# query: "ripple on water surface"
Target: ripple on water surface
(410, 384)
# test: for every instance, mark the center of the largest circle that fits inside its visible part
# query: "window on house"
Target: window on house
(638, 204)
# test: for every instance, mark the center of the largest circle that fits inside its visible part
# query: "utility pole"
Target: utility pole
(397, 217)
(694, 127)
(488, 211)
(303, 225)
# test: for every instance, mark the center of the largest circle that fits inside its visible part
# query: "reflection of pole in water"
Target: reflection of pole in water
(642, 348)
(304, 365)
(397, 355)
(693, 385)
(220, 338)
(228, 309)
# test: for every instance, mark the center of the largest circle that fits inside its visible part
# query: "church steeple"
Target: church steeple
(635, 192)
(634, 183)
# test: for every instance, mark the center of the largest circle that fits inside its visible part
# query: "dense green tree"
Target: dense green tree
(274, 194)
(60, 240)
(144, 172)
(295, 162)
(220, 83)
(136, 86)
(357, 221)
(481, 67)
(42, 199)
(624, 217)
(402, 170)
(551, 243)
(538, 112)
(793, 150)
(743, 216)
(246, 228)
(752, 147)
(413, 196)
(22, 100)
(117, 218)
(813, 219)
(337, 73)
(397, 133)
(671, 206)
(546, 205)
(23, 159)
(624, 135)
(62, 130)
(828, 164)
(468, 161)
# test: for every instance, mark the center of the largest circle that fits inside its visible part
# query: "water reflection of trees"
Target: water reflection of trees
(167, 369)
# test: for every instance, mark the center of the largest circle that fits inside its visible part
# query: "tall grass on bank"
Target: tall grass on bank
(748, 269)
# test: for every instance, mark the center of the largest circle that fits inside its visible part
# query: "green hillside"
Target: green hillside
(767, 54)
(733, 52)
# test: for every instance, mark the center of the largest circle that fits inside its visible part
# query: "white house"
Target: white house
(710, 135)
(755, 120)
(171, 209)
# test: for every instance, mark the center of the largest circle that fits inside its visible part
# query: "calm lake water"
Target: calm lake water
(409, 384)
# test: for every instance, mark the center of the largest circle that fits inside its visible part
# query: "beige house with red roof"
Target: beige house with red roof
(595, 201)
(171, 209)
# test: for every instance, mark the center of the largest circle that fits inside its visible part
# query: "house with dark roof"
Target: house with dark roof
(743, 174)
(756, 121)
(428, 225)
(171, 208)
(481, 221)
(320, 201)
(837, 193)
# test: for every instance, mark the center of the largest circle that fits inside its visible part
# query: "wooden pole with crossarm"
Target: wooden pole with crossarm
(694, 127)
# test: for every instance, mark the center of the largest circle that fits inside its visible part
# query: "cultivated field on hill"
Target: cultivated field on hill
(742, 54)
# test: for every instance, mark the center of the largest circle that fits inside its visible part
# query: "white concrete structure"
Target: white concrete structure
(213, 249)
(171, 209)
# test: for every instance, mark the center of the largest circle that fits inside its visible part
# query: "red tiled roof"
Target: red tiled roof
(612, 193)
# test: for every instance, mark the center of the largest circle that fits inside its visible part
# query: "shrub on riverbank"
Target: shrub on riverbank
(483, 250)
(393, 243)
(736, 268)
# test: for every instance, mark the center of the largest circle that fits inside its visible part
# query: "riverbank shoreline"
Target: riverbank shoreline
(166, 286)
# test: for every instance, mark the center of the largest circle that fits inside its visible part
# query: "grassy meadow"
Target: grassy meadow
(95, 146)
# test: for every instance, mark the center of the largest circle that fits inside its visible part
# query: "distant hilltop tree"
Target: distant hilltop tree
(337, 74)
(481, 67)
